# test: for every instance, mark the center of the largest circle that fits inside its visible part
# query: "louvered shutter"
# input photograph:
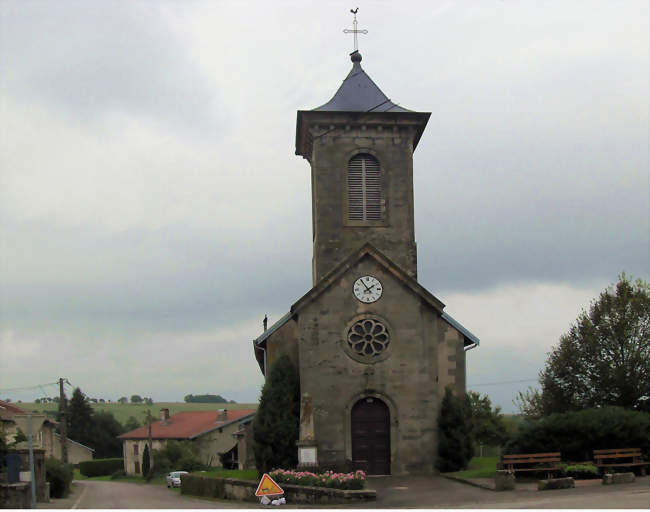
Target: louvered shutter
(364, 188)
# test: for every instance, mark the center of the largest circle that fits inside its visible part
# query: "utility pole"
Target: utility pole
(62, 423)
(150, 451)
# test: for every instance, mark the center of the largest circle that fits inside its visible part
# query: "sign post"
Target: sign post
(268, 487)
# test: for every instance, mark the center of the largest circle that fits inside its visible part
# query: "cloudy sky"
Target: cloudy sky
(152, 209)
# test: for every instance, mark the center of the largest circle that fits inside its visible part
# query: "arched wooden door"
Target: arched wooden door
(370, 431)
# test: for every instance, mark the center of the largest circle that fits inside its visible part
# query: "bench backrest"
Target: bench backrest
(615, 453)
(531, 458)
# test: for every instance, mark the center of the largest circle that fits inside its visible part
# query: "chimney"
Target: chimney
(222, 414)
(265, 322)
(164, 415)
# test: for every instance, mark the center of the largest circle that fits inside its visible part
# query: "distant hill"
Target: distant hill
(122, 412)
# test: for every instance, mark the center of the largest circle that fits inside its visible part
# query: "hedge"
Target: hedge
(60, 477)
(200, 486)
(100, 467)
(577, 434)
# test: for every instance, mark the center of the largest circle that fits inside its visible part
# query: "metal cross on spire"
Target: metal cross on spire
(355, 31)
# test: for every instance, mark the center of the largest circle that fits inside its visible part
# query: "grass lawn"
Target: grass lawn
(139, 411)
(479, 467)
(242, 474)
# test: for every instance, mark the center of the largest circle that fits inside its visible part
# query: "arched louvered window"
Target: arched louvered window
(364, 188)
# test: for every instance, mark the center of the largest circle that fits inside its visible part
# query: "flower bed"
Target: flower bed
(330, 479)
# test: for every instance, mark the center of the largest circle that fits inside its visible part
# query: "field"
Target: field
(139, 411)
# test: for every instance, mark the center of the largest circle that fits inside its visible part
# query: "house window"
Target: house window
(136, 449)
(364, 188)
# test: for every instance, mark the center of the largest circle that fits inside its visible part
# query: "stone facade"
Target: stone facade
(375, 367)
(212, 432)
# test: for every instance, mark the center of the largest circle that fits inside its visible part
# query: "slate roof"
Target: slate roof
(187, 425)
(358, 93)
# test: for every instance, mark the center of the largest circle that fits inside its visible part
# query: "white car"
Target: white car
(174, 478)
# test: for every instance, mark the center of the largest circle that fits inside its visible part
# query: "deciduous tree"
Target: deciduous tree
(603, 360)
(489, 427)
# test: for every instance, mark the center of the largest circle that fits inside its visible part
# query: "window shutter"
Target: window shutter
(364, 188)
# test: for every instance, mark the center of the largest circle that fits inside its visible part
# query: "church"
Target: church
(375, 350)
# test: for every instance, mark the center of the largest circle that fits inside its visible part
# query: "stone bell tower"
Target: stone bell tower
(360, 146)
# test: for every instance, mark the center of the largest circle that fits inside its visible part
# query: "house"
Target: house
(13, 419)
(211, 432)
(374, 349)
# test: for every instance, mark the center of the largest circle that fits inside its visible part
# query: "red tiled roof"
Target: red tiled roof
(8, 410)
(185, 425)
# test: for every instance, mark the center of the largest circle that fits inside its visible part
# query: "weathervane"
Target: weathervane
(355, 31)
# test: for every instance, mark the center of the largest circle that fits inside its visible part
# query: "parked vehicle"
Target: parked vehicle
(174, 478)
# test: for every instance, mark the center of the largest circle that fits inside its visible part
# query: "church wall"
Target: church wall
(284, 340)
(391, 142)
(451, 360)
(407, 380)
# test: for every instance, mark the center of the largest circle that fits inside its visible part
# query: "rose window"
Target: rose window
(368, 337)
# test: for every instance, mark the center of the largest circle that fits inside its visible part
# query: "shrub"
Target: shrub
(455, 447)
(347, 481)
(100, 467)
(577, 434)
(60, 477)
(580, 471)
(176, 456)
(116, 475)
(201, 486)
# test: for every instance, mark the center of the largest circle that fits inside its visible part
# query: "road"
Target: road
(113, 495)
(392, 492)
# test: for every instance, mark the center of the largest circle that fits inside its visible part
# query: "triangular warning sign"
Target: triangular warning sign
(268, 487)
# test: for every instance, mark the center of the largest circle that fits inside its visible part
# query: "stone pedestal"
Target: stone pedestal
(504, 481)
(307, 445)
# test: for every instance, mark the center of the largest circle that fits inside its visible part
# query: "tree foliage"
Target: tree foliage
(79, 419)
(455, 428)
(276, 423)
(95, 429)
(146, 461)
(176, 456)
(136, 399)
(577, 434)
(207, 399)
(489, 427)
(604, 359)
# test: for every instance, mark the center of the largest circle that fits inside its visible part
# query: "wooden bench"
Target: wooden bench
(620, 457)
(548, 462)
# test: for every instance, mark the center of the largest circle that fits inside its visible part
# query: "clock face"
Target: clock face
(367, 289)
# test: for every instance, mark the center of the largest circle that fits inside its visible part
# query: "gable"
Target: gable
(335, 276)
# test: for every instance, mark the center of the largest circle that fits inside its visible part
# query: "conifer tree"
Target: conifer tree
(146, 461)
(79, 419)
(276, 423)
(455, 426)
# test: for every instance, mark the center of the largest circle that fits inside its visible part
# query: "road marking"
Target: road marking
(76, 503)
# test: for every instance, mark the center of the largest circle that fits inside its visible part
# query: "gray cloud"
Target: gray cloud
(111, 56)
(150, 194)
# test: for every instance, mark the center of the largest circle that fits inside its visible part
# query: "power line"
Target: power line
(504, 382)
(29, 388)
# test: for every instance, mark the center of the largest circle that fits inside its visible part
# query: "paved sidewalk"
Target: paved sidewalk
(439, 492)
